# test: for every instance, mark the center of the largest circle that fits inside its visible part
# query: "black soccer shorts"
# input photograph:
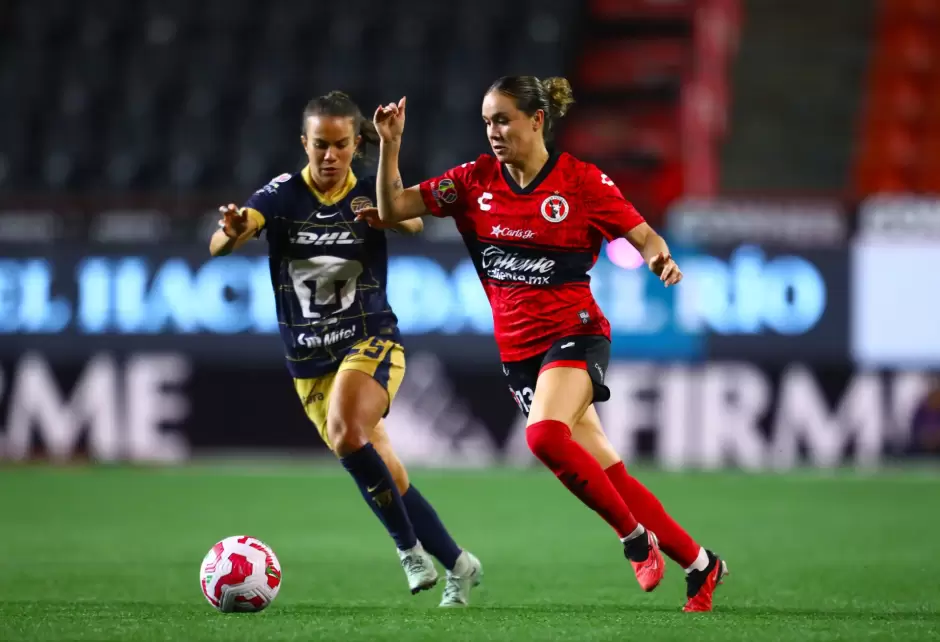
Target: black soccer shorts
(590, 352)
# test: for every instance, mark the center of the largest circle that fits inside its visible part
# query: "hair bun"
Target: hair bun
(560, 96)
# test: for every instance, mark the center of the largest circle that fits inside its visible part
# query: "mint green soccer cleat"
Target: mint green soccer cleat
(419, 569)
(467, 574)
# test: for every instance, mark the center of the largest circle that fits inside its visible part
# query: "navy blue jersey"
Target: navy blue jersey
(328, 271)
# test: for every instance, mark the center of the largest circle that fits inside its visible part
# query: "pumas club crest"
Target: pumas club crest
(555, 209)
(360, 203)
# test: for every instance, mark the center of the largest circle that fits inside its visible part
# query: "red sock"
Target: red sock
(673, 539)
(551, 442)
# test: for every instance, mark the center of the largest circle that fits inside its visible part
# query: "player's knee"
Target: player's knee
(543, 435)
(346, 436)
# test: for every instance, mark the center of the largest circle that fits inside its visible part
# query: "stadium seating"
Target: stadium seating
(167, 95)
(176, 96)
(653, 102)
(899, 149)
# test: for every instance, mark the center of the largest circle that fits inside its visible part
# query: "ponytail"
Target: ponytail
(368, 132)
(560, 96)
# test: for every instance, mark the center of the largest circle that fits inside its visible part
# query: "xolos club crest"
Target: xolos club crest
(555, 209)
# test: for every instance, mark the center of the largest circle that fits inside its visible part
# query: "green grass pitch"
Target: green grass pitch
(113, 554)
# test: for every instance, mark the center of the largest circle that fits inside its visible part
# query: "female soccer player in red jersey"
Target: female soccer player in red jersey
(340, 335)
(534, 222)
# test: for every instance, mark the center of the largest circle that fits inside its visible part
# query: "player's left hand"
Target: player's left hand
(666, 269)
(371, 216)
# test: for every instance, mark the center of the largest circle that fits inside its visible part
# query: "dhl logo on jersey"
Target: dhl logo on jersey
(327, 238)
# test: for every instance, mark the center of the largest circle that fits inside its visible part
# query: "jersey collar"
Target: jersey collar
(335, 197)
(539, 178)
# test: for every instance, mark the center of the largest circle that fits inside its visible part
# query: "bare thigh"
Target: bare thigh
(561, 394)
(357, 404)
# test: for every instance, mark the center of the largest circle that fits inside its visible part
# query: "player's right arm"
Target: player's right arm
(396, 204)
(441, 196)
(240, 224)
(615, 217)
(236, 227)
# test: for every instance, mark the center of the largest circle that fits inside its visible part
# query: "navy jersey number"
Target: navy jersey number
(325, 285)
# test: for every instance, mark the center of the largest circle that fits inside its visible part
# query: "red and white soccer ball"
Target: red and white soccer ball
(240, 574)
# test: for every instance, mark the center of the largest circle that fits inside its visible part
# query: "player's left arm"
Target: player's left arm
(654, 250)
(616, 217)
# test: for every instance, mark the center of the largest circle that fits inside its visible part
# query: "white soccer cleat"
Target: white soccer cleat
(467, 574)
(419, 568)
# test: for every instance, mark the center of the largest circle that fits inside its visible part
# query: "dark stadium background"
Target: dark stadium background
(790, 152)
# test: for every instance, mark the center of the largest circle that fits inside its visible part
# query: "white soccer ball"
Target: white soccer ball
(240, 574)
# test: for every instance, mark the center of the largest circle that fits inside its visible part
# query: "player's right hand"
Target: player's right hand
(234, 222)
(371, 216)
(389, 121)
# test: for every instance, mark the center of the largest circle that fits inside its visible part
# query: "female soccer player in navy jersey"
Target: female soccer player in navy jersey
(534, 222)
(341, 337)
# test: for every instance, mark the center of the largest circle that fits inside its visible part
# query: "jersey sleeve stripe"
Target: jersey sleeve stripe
(255, 216)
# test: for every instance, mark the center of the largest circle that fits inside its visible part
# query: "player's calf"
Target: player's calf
(430, 530)
(383, 445)
(364, 464)
(551, 442)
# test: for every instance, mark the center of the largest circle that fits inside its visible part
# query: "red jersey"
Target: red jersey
(533, 246)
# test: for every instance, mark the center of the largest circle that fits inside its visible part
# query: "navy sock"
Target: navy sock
(375, 507)
(434, 537)
(376, 484)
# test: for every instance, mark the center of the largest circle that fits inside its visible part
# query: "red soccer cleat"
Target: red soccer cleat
(701, 585)
(649, 569)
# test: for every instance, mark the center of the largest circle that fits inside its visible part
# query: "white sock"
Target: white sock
(415, 549)
(700, 563)
(637, 532)
(462, 563)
